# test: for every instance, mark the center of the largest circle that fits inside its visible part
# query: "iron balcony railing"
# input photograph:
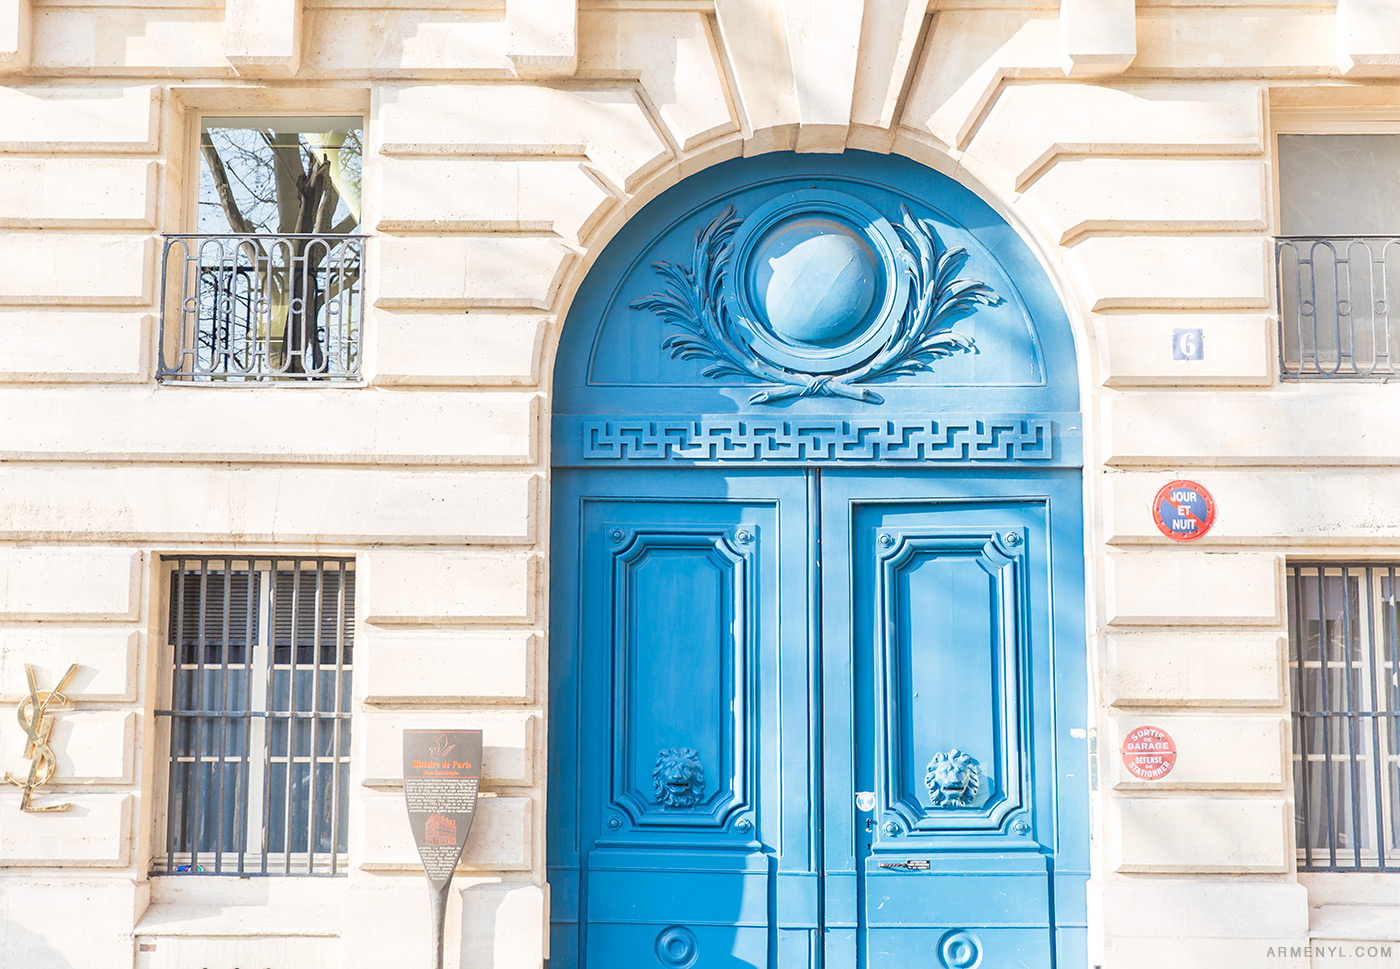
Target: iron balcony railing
(1336, 316)
(261, 307)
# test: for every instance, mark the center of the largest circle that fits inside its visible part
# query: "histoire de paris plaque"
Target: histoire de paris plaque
(441, 781)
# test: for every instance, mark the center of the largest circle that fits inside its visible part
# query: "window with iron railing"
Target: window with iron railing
(269, 286)
(256, 723)
(1337, 256)
(1344, 673)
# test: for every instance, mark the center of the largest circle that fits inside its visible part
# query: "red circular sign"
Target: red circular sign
(1149, 753)
(1183, 511)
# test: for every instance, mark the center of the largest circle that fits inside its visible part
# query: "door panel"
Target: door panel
(737, 655)
(937, 598)
(681, 653)
(946, 651)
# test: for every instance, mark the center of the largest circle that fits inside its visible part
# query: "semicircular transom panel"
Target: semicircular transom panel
(816, 308)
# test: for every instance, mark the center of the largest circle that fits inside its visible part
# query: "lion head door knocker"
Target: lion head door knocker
(953, 779)
(678, 779)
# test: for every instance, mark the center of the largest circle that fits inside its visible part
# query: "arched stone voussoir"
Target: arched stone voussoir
(673, 57)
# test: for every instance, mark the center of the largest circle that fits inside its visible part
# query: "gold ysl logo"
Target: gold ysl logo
(33, 718)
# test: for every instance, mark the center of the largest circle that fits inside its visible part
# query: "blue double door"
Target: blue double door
(808, 717)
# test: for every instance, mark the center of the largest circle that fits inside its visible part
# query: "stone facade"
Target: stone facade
(506, 142)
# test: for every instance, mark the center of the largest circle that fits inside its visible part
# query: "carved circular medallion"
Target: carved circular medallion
(676, 947)
(816, 281)
(960, 950)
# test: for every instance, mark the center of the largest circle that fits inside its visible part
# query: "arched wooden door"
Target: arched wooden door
(817, 659)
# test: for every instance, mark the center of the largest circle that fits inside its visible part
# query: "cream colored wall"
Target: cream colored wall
(503, 149)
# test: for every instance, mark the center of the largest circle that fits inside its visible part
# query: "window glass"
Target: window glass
(1339, 185)
(279, 175)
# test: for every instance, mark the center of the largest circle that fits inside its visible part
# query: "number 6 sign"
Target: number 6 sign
(1188, 345)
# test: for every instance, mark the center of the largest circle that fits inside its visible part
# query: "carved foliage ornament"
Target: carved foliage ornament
(953, 779)
(816, 294)
(678, 779)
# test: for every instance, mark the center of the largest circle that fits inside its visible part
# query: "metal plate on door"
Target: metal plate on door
(913, 864)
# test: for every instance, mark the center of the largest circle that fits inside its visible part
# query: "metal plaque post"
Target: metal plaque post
(441, 781)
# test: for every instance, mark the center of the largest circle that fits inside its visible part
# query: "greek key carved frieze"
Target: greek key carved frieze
(1013, 439)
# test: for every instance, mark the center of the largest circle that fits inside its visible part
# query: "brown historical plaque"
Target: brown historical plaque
(441, 781)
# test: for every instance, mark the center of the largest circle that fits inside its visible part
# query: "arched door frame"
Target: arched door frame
(1082, 366)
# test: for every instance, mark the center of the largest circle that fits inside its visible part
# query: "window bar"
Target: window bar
(269, 720)
(306, 348)
(1338, 263)
(197, 815)
(335, 260)
(260, 309)
(292, 711)
(1312, 281)
(1380, 335)
(1351, 717)
(1393, 707)
(165, 275)
(1301, 723)
(312, 814)
(175, 723)
(1381, 302)
(310, 329)
(291, 346)
(1341, 273)
(223, 718)
(246, 754)
(1326, 717)
(335, 724)
(1347, 316)
(1373, 615)
(240, 287)
(189, 340)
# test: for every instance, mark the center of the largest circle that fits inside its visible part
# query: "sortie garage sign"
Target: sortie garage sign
(1183, 510)
(1149, 753)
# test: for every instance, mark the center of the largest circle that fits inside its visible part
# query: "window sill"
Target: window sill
(342, 383)
(1361, 906)
(233, 906)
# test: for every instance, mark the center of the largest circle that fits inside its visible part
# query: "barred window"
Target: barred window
(257, 727)
(1344, 641)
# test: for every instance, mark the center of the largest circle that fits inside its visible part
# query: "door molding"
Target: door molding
(697, 397)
